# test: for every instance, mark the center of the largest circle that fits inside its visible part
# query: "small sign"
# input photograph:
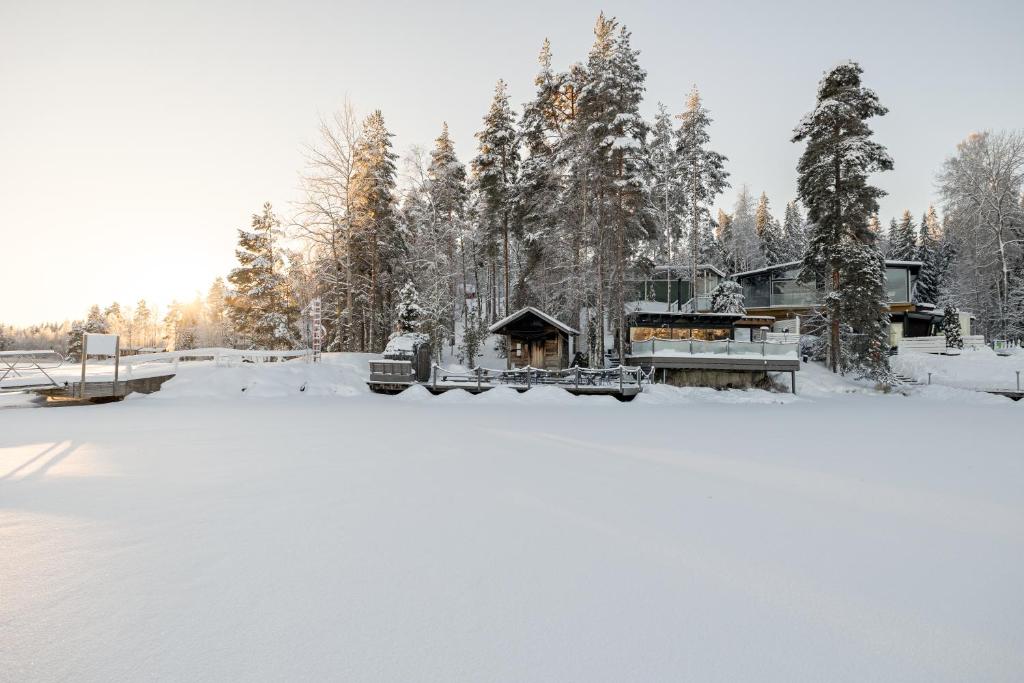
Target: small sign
(100, 344)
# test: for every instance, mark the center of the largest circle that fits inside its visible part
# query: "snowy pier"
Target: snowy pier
(98, 391)
(623, 383)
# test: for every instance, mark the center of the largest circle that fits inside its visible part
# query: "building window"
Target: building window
(756, 290)
(897, 285)
(792, 293)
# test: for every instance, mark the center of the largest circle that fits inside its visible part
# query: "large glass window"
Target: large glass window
(756, 290)
(897, 285)
(792, 293)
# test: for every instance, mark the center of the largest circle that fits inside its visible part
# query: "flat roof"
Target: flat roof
(790, 264)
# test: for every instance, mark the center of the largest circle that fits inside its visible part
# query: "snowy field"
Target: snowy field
(972, 369)
(210, 533)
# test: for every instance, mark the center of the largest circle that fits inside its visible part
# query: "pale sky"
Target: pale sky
(135, 137)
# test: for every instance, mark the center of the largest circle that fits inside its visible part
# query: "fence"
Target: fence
(20, 363)
(221, 356)
(937, 344)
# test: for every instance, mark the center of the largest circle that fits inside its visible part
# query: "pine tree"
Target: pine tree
(768, 233)
(664, 189)
(1015, 305)
(615, 137)
(260, 307)
(95, 323)
(702, 172)
(74, 340)
(723, 236)
(408, 311)
(218, 320)
(742, 242)
(727, 297)
(376, 242)
(546, 277)
(863, 310)
(496, 170)
(951, 327)
(903, 239)
(932, 254)
(448, 193)
(833, 184)
(794, 231)
(473, 337)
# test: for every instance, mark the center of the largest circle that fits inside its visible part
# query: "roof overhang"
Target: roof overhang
(535, 311)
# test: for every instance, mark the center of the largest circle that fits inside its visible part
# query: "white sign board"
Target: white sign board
(100, 344)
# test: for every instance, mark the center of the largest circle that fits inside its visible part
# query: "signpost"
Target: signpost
(100, 345)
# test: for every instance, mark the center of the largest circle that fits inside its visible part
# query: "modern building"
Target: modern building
(776, 291)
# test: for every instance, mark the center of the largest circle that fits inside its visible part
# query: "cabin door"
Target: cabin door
(537, 354)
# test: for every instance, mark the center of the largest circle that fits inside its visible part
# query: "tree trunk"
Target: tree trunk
(504, 230)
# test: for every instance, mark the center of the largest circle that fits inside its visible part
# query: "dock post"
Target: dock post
(929, 378)
(578, 378)
(433, 381)
(529, 376)
(792, 380)
(622, 372)
(85, 353)
(117, 362)
(1018, 380)
(478, 379)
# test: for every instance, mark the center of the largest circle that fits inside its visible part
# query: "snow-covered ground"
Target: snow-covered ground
(972, 369)
(304, 529)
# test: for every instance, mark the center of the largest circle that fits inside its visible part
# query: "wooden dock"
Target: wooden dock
(626, 393)
(1008, 393)
(72, 393)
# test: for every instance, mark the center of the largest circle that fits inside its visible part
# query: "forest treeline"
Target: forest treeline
(575, 195)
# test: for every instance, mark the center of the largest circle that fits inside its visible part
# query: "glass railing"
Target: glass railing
(727, 347)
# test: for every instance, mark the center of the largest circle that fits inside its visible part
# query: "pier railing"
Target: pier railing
(528, 377)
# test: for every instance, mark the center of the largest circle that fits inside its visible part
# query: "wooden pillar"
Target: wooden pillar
(85, 354)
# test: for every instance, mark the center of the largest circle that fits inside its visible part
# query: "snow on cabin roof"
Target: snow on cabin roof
(537, 312)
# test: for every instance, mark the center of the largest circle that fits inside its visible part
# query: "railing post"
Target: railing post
(529, 377)
(1018, 380)
(622, 372)
(728, 347)
(478, 375)
(929, 378)
(691, 346)
(433, 370)
(578, 377)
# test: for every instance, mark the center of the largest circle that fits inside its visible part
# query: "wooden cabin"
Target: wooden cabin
(535, 339)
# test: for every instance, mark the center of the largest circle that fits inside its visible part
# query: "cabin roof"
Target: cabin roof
(535, 311)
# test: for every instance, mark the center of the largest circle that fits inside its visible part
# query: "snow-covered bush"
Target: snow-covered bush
(727, 297)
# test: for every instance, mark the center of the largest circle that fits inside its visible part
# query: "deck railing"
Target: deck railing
(725, 347)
